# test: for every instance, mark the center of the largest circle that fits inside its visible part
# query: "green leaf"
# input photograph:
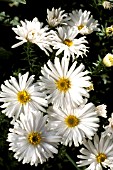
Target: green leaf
(19, 1)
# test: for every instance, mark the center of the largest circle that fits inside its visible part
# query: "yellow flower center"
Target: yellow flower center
(91, 87)
(31, 35)
(101, 157)
(80, 27)
(34, 138)
(63, 84)
(23, 97)
(71, 121)
(109, 30)
(111, 59)
(68, 42)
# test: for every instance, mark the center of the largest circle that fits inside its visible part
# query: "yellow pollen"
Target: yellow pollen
(23, 97)
(63, 84)
(109, 31)
(91, 87)
(110, 59)
(101, 157)
(34, 138)
(71, 121)
(68, 42)
(80, 27)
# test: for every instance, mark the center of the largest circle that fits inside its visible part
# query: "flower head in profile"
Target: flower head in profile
(64, 84)
(101, 110)
(30, 139)
(34, 32)
(65, 40)
(56, 17)
(83, 21)
(108, 60)
(107, 5)
(97, 153)
(109, 128)
(74, 124)
(21, 95)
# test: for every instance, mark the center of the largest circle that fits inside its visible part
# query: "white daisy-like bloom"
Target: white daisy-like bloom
(21, 95)
(34, 32)
(74, 124)
(31, 140)
(65, 40)
(101, 110)
(83, 21)
(97, 153)
(64, 84)
(56, 17)
(109, 128)
(107, 5)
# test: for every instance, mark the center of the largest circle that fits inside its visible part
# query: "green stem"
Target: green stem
(69, 158)
(100, 68)
(28, 52)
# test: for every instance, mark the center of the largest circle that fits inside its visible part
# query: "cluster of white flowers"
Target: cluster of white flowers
(61, 93)
(64, 37)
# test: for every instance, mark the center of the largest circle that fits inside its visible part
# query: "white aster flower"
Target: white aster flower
(30, 139)
(97, 154)
(83, 21)
(107, 5)
(34, 32)
(21, 95)
(64, 84)
(65, 40)
(56, 17)
(109, 128)
(74, 124)
(101, 110)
